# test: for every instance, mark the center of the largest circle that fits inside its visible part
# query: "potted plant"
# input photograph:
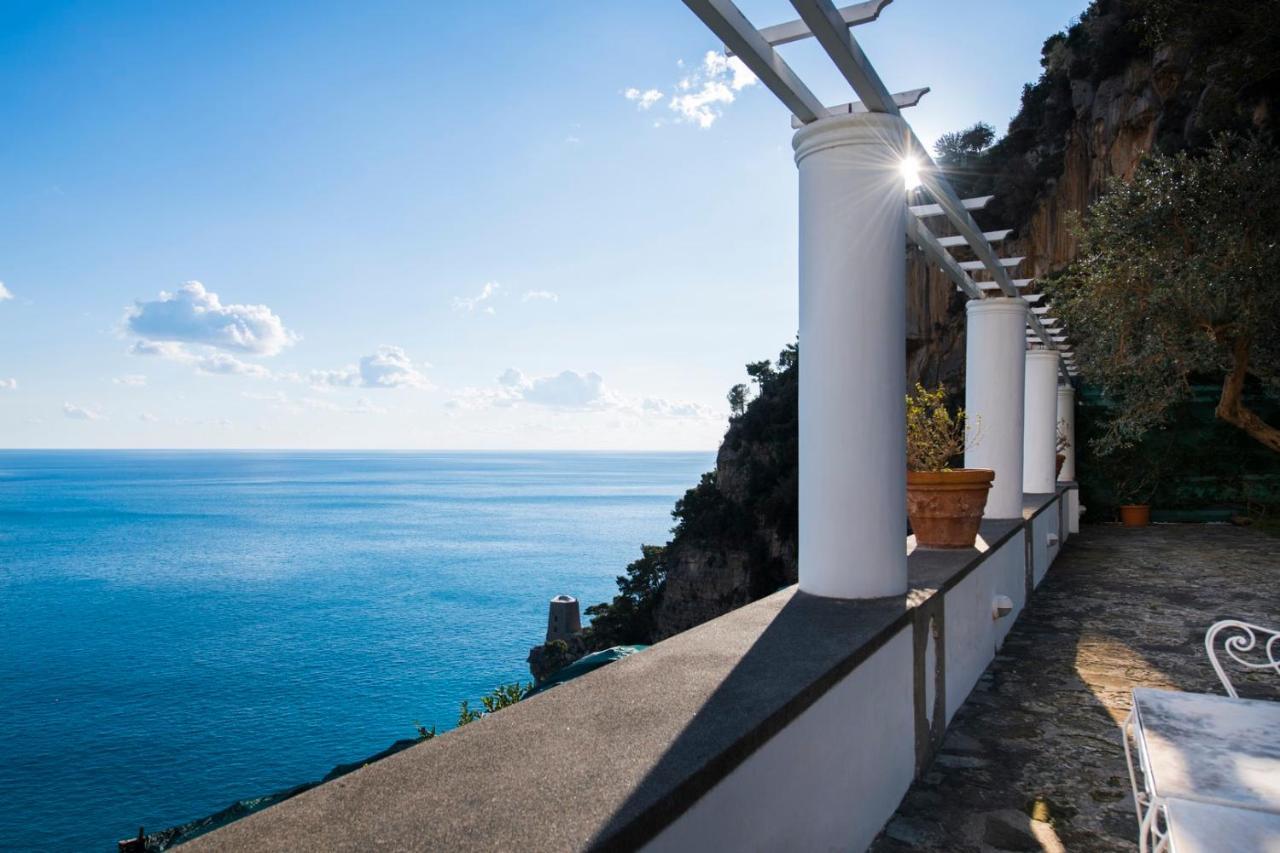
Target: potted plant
(944, 504)
(1133, 490)
(1134, 475)
(1062, 444)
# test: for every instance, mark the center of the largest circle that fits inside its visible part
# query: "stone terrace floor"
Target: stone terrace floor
(1034, 759)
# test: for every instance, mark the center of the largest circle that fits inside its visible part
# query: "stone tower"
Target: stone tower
(563, 619)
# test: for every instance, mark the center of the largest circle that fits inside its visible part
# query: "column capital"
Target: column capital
(886, 134)
(997, 305)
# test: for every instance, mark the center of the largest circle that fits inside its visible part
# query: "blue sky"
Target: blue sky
(414, 224)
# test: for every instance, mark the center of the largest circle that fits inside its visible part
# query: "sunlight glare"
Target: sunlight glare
(911, 172)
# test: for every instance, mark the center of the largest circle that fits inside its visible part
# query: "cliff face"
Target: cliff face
(1129, 76)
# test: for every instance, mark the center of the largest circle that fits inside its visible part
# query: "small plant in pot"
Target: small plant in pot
(1061, 448)
(1134, 490)
(944, 504)
(1134, 473)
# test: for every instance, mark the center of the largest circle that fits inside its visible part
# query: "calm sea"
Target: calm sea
(180, 630)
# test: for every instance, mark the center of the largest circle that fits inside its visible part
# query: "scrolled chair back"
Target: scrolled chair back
(1251, 646)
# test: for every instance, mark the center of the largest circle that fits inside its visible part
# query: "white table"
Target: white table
(1205, 828)
(1196, 749)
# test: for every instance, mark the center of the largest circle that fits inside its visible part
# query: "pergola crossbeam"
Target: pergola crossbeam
(933, 250)
(990, 236)
(1017, 282)
(829, 28)
(981, 265)
(854, 15)
(909, 98)
(924, 210)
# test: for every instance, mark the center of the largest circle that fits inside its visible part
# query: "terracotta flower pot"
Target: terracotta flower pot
(1058, 460)
(945, 507)
(1135, 515)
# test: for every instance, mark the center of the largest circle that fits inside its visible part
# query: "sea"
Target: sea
(180, 630)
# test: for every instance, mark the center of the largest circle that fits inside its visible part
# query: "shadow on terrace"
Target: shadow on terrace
(1034, 759)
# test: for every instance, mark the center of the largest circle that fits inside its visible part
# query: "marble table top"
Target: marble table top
(1206, 828)
(1210, 749)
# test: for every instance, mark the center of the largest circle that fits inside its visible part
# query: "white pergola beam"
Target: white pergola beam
(923, 210)
(934, 251)
(829, 28)
(909, 98)
(1017, 282)
(990, 236)
(854, 15)
(981, 265)
(731, 26)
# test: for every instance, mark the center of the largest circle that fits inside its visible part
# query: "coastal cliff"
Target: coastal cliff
(1126, 78)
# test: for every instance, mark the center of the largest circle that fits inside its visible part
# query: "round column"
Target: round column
(1040, 419)
(1067, 418)
(995, 343)
(852, 536)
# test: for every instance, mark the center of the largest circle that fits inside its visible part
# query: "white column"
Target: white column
(1039, 422)
(995, 343)
(1067, 417)
(852, 537)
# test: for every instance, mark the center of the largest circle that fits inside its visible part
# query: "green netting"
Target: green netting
(1203, 469)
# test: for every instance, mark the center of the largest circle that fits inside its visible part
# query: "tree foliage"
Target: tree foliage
(629, 617)
(1178, 276)
(763, 441)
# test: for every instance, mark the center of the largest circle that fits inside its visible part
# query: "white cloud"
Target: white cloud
(195, 315)
(676, 408)
(699, 97)
(79, 413)
(161, 349)
(208, 362)
(388, 367)
(540, 295)
(8, 385)
(148, 418)
(345, 377)
(133, 380)
(570, 390)
(704, 92)
(5, 293)
(229, 365)
(477, 302)
(643, 100)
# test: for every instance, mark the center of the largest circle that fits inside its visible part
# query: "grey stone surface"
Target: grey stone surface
(609, 759)
(1120, 609)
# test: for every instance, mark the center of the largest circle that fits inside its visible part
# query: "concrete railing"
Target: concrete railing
(796, 722)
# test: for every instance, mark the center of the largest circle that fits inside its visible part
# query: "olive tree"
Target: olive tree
(1178, 276)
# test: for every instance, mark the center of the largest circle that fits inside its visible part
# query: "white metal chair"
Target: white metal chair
(1251, 646)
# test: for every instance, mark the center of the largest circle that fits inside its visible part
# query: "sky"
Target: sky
(418, 225)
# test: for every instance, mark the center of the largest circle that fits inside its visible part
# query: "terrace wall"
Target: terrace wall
(795, 722)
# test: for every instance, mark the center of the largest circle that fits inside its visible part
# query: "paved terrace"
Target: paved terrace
(1033, 760)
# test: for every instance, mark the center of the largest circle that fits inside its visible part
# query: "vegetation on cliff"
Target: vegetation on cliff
(746, 507)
